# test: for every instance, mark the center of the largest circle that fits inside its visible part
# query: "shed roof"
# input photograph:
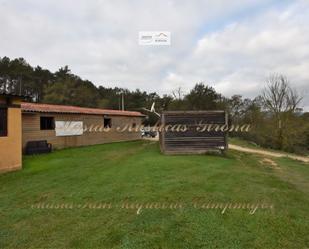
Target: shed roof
(48, 108)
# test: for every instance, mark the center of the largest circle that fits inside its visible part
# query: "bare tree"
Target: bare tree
(279, 98)
(293, 99)
(178, 93)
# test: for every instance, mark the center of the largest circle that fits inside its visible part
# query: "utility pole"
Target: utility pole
(122, 101)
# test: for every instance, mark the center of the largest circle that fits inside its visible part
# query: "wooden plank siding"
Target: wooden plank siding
(192, 141)
(31, 130)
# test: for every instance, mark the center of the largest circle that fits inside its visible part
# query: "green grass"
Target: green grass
(136, 172)
(244, 143)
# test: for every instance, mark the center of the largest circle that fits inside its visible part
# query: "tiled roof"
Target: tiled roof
(47, 108)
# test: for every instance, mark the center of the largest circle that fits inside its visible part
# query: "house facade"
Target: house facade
(10, 133)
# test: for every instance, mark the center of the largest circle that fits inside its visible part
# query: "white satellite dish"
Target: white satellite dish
(152, 109)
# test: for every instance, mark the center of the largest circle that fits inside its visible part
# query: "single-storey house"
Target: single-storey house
(57, 124)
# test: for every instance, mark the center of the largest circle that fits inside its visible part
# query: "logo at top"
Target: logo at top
(155, 38)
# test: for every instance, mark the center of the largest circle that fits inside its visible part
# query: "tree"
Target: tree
(281, 101)
(203, 97)
(16, 77)
(236, 107)
(72, 92)
(177, 93)
(278, 96)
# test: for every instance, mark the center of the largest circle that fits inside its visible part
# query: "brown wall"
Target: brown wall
(10, 145)
(192, 141)
(31, 130)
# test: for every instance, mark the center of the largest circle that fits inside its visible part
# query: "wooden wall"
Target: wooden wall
(192, 141)
(31, 130)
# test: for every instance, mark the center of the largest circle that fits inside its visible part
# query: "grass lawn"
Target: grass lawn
(136, 172)
(244, 143)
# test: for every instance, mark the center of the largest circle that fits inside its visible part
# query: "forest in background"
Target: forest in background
(276, 119)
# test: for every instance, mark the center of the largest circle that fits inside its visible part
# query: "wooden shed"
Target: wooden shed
(193, 132)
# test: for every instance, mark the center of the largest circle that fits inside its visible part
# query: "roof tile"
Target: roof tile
(48, 108)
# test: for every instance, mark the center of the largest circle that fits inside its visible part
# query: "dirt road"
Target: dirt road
(258, 151)
(268, 153)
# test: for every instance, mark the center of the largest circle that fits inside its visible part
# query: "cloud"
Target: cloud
(232, 45)
(238, 58)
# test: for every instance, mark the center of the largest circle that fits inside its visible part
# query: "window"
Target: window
(107, 123)
(3, 122)
(47, 123)
(134, 125)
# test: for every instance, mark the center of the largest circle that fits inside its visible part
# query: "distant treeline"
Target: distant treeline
(284, 128)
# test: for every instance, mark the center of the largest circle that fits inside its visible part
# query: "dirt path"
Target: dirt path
(258, 151)
(268, 153)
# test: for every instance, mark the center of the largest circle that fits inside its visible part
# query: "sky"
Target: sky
(231, 45)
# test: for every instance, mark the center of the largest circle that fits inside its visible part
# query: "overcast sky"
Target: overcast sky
(231, 45)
